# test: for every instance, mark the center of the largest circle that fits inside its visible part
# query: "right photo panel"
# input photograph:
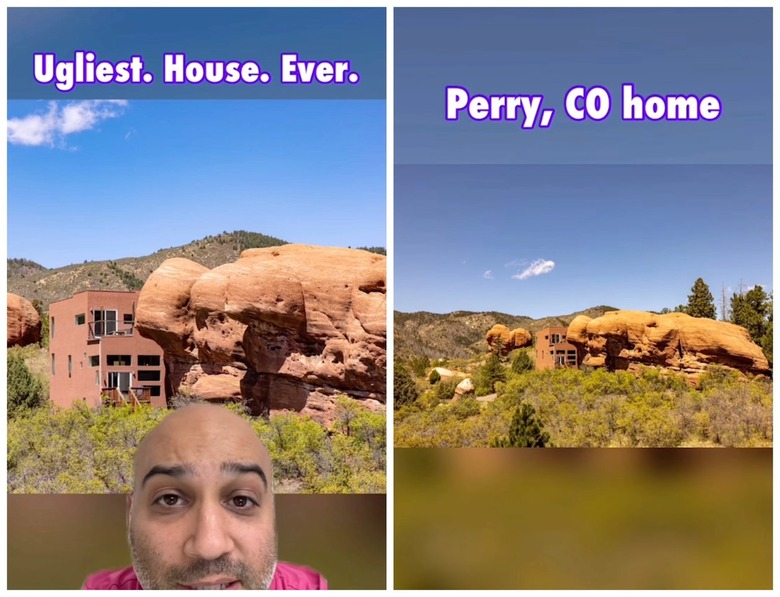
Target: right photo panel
(583, 263)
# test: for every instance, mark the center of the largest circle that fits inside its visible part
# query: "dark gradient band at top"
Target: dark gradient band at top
(724, 52)
(258, 34)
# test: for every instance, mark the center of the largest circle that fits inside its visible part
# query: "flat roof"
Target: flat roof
(96, 291)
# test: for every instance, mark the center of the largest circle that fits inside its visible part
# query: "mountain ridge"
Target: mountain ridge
(34, 281)
(461, 334)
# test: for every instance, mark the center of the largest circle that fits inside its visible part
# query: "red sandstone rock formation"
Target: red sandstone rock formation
(627, 339)
(287, 327)
(518, 338)
(24, 323)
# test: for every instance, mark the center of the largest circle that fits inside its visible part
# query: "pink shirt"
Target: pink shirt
(287, 577)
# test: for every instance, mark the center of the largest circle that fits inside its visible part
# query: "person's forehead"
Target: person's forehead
(202, 448)
(204, 444)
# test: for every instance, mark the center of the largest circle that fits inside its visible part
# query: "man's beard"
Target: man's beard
(152, 574)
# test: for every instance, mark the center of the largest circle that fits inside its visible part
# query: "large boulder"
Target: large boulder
(500, 335)
(465, 387)
(288, 327)
(24, 323)
(628, 339)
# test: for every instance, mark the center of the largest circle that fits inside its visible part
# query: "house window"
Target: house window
(52, 363)
(105, 322)
(81, 319)
(128, 318)
(149, 375)
(51, 328)
(70, 365)
(148, 360)
(94, 361)
(154, 390)
(118, 360)
(97, 378)
(556, 338)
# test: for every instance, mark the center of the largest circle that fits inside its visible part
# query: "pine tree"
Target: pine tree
(404, 389)
(522, 362)
(487, 376)
(700, 301)
(525, 431)
(25, 391)
(753, 311)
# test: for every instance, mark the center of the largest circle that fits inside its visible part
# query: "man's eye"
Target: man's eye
(242, 502)
(170, 500)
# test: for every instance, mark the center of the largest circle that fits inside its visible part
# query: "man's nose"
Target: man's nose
(209, 536)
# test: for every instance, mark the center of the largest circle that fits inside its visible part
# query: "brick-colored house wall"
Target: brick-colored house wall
(552, 348)
(81, 340)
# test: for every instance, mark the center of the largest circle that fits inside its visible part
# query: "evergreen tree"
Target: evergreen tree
(753, 311)
(700, 301)
(404, 388)
(487, 376)
(25, 391)
(525, 431)
(435, 377)
(522, 362)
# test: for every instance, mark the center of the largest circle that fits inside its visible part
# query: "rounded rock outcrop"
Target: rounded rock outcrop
(627, 339)
(500, 336)
(289, 327)
(24, 323)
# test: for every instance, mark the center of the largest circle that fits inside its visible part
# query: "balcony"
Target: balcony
(99, 329)
(133, 397)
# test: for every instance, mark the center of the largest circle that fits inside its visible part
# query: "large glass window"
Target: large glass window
(105, 322)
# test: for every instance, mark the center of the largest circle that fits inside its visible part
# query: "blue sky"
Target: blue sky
(94, 180)
(632, 237)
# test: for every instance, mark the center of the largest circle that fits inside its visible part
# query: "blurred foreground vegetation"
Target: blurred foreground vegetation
(581, 408)
(583, 519)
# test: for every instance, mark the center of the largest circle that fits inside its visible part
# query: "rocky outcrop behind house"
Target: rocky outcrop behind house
(500, 336)
(24, 323)
(287, 327)
(628, 339)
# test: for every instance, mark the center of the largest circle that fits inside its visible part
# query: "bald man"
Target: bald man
(201, 515)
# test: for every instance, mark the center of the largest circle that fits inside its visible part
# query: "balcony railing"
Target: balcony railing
(98, 329)
(134, 396)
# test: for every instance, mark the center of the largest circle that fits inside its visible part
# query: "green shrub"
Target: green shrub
(522, 362)
(25, 391)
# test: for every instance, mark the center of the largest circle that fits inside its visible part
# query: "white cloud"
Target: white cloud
(488, 274)
(60, 120)
(537, 268)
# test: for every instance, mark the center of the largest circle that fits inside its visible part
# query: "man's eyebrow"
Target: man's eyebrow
(176, 470)
(244, 467)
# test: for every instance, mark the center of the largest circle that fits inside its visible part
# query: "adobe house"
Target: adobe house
(95, 351)
(552, 349)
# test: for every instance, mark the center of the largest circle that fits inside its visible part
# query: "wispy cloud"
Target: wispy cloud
(129, 134)
(537, 268)
(488, 274)
(50, 128)
(516, 263)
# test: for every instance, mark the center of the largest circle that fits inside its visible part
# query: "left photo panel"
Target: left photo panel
(196, 298)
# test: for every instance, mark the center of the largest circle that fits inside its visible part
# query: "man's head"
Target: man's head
(202, 509)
